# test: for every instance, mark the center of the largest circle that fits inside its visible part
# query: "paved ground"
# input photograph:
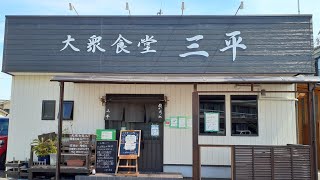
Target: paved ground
(2, 177)
(207, 179)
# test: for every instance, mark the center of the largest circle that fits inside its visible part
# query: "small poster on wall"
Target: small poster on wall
(174, 122)
(167, 122)
(189, 122)
(182, 122)
(155, 130)
(106, 134)
(179, 122)
(211, 122)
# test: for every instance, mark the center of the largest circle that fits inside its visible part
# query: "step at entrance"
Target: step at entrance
(158, 176)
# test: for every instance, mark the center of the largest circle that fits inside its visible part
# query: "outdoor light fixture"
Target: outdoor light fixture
(160, 12)
(127, 8)
(103, 100)
(240, 7)
(182, 7)
(263, 92)
(71, 7)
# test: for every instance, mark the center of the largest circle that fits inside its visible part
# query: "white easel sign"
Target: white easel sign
(211, 122)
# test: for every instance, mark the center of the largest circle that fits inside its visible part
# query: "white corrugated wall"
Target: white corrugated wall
(277, 124)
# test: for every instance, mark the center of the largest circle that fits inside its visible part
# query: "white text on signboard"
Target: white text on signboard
(122, 44)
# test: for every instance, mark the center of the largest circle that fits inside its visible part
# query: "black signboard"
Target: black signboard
(79, 143)
(106, 156)
(129, 143)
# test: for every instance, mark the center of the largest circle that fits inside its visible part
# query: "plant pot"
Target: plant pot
(44, 158)
(53, 158)
(75, 162)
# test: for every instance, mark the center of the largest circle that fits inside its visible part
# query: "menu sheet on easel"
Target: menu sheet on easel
(129, 142)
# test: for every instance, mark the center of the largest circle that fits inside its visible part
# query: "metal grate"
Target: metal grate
(272, 162)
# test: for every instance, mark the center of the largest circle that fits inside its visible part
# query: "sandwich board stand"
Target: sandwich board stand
(106, 156)
(128, 152)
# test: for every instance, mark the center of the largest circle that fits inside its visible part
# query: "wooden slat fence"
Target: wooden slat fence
(271, 162)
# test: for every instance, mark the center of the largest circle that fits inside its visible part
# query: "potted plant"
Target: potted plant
(43, 148)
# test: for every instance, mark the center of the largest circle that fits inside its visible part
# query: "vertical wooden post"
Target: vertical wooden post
(58, 160)
(233, 169)
(196, 164)
(312, 131)
(317, 125)
(253, 157)
(272, 162)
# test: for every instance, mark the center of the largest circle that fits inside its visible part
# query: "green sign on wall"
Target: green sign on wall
(106, 134)
(179, 122)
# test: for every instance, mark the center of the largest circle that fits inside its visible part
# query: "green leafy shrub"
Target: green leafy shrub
(44, 147)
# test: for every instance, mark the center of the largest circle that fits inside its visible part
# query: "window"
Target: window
(68, 110)
(4, 126)
(212, 105)
(244, 115)
(48, 110)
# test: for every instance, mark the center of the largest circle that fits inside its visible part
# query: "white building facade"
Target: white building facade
(274, 118)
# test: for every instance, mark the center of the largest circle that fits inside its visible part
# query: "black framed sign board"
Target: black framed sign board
(106, 156)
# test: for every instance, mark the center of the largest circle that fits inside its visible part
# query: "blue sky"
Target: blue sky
(148, 7)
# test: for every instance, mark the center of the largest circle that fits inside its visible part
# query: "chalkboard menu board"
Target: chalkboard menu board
(106, 156)
(129, 143)
(79, 143)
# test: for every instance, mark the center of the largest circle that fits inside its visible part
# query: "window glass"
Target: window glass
(211, 108)
(244, 115)
(68, 110)
(48, 110)
(4, 125)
